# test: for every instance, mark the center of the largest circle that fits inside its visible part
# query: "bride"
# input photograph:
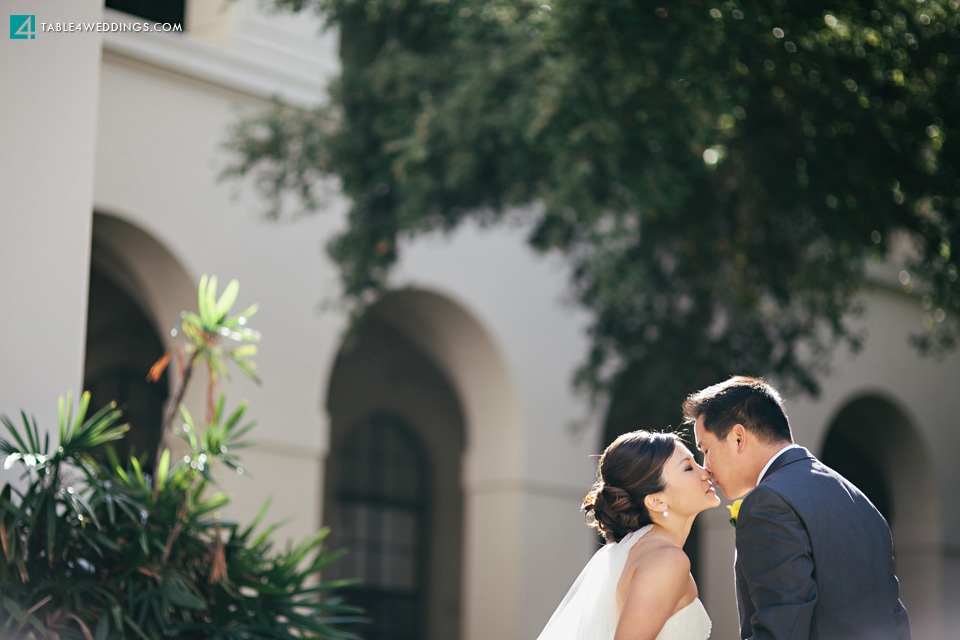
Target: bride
(638, 586)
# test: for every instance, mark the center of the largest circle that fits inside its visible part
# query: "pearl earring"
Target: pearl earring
(665, 513)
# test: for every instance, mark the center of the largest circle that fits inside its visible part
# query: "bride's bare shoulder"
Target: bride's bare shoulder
(657, 571)
(657, 554)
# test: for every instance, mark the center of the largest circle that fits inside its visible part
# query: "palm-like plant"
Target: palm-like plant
(97, 549)
(204, 331)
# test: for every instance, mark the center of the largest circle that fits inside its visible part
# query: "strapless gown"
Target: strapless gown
(589, 610)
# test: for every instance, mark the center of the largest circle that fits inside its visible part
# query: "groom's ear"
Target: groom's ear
(739, 434)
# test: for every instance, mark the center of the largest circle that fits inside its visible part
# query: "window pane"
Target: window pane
(383, 510)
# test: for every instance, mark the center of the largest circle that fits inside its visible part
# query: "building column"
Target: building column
(47, 132)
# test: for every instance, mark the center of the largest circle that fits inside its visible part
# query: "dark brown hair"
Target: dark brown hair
(740, 400)
(630, 469)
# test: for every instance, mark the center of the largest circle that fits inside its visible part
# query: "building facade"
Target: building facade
(436, 440)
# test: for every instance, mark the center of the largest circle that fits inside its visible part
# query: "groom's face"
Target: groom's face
(720, 459)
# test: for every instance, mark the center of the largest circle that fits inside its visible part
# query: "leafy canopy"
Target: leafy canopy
(718, 174)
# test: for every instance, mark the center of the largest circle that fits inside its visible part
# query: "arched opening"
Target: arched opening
(638, 401)
(860, 462)
(472, 393)
(873, 443)
(121, 345)
(137, 290)
(393, 493)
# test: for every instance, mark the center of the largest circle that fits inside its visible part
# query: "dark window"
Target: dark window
(142, 405)
(121, 346)
(156, 10)
(383, 509)
(845, 452)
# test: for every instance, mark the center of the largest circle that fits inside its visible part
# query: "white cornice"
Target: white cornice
(262, 76)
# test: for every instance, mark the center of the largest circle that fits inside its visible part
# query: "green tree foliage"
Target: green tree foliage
(718, 174)
(99, 549)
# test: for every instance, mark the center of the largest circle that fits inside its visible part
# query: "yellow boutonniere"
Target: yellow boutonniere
(734, 511)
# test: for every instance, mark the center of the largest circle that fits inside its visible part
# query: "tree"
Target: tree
(717, 174)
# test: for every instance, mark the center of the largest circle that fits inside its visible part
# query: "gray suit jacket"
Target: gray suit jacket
(815, 559)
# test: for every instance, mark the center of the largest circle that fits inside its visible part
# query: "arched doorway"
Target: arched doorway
(137, 290)
(121, 345)
(873, 443)
(393, 493)
(639, 401)
(488, 489)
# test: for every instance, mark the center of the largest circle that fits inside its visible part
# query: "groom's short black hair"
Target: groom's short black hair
(740, 400)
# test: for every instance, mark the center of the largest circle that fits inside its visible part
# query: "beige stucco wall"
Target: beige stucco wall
(158, 154)
(47, 133)
(525, 466)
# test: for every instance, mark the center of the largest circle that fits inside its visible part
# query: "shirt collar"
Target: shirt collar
(775, 456)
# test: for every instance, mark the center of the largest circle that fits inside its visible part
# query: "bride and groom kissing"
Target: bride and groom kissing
(814, 558)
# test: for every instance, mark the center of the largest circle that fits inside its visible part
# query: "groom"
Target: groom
(814, 557)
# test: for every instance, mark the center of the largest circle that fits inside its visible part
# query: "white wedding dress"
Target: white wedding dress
(589, 610)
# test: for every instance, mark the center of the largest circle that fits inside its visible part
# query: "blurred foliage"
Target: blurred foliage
(96, 549)
(204, 332)
(717, 174)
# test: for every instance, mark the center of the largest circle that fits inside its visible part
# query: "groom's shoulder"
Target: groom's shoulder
(803, 477)
(800, 472)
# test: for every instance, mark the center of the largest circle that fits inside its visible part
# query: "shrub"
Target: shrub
(99, 549)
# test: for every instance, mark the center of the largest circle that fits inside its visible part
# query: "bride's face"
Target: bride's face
(688, 488)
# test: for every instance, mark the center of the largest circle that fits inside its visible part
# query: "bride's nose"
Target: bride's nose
(704, 474)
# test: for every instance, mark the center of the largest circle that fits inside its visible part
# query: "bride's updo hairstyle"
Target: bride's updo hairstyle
(630, 469)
